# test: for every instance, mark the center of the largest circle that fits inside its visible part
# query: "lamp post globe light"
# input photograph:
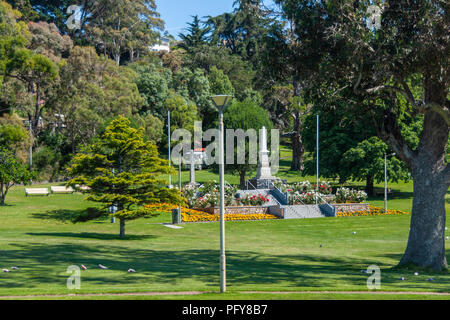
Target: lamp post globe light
(221, 102)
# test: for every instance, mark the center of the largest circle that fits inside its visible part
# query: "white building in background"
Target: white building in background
(163, 45)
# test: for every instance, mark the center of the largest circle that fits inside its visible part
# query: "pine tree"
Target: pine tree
(122, 170)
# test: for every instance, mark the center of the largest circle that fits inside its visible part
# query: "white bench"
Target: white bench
(36, 191)
(61, 189)
(84, 188)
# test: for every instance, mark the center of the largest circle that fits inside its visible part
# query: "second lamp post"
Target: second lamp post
(221, 102)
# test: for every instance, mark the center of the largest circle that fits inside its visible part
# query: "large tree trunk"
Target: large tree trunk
(242, 179)
(426, 242)
(2, 195)
(296, 139)
(297, 152)
(122, 228)
(369, 185)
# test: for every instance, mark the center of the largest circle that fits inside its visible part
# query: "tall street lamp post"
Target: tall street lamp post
(221, 102)
(385, 179)
(168, 134)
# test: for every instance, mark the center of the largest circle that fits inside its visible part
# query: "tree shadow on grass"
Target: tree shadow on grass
(92, 235)
(46, 264)
(64, 215)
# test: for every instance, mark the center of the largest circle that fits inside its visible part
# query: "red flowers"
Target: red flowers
(255, 200)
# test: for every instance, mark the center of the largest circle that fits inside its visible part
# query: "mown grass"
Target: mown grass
(37, 235)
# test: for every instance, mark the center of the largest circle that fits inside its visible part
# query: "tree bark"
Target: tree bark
(296, 139)
(369, 185)
(297, 151)
(2, 195)
(242, 179)
(426, 242)
(122, 228)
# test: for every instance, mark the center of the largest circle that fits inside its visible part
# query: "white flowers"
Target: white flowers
(344, 195)
(308, 197)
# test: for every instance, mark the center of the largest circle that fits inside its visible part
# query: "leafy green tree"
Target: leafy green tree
(46, 40)
(174, 60)
(122, 170)
(93, 90)
(25, 8)
(12, 171)
(11, 136)
(196, 35)
(182, 113)
(245, 115)
(153, 127)
(194, 86)
(14, 136)
(281, 68)
(153, 85)
(219, 82)
(339, 132)
(123, 26)
(381, 66)
(243, 30)
(14, 36)
(238, 71)
(365, 162)
(30, 76)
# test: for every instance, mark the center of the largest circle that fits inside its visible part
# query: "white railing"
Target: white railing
(248, 182)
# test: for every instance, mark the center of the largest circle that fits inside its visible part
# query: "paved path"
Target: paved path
(179, 293)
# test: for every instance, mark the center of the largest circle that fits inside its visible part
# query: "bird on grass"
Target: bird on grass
(83, 267)
(14, 268)
(5, 270)
(102, 266)
(131, 270)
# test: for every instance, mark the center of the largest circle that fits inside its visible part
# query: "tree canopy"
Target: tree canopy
(122, 170)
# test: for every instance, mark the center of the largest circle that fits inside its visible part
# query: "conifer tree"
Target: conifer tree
(120, 169)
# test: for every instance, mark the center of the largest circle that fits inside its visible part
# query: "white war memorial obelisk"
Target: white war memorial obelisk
(264, 172)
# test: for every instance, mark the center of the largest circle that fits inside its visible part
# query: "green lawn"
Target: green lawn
(279, 255)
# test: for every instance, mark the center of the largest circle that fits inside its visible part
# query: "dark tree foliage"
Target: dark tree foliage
(382, 66)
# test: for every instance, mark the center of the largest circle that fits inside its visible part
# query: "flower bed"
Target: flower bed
(192, 215)
(254, 200)
(306, 193)
(346, 195)
(207, 195)
(373, 211)
(235, 210)
(200, 216)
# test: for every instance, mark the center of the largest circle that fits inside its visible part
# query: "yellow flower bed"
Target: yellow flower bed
(373, 211)
(200, 216)
(162, 207)
(189, 215)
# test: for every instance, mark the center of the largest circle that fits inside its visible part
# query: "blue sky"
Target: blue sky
(177, 13)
